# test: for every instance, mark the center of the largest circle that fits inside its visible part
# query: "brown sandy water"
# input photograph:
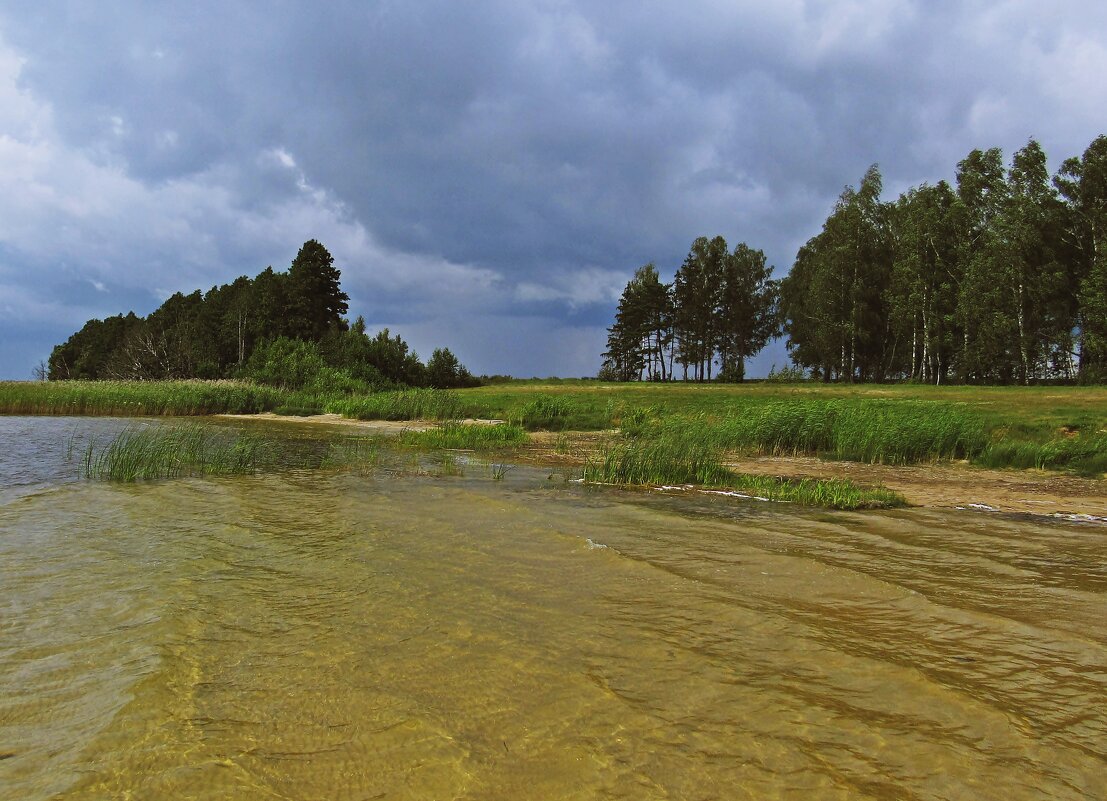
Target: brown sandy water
(342, 636)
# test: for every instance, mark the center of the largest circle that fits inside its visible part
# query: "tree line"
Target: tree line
(286, 329)
(1000, 278)
(720, 307)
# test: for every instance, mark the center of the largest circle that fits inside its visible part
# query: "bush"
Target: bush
(286, 363)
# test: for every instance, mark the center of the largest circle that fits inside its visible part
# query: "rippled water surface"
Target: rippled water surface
(336, 635)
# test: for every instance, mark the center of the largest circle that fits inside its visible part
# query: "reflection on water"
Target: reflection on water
(339, 636)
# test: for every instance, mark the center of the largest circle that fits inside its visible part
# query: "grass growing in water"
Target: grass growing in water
(675, 460)
(142, 454)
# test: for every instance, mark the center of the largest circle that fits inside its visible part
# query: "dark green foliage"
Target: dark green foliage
(719, 305)
(444, 371)
(281, 329)
(286, 363)
(316, 302)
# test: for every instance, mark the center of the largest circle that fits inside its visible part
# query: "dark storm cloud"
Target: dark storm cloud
(488, 166)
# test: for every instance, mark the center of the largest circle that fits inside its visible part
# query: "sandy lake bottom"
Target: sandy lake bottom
(402, 634)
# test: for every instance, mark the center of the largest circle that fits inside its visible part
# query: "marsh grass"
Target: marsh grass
(159, 452)
(137, 398)
(546, 412)
(1085, 454)
(411, 404)
(875, 432)
(673, 461)
(466, 436)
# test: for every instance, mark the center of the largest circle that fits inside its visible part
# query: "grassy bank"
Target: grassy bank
(1054, 428)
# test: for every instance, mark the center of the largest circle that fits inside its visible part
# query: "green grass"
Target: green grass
(460, 436)
(876, 432)
(411, 404)
(143, 454)
(1056, 428)
(1085, 455)
(673, 460)
(137, 398)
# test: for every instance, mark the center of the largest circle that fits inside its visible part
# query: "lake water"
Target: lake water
(353, 635)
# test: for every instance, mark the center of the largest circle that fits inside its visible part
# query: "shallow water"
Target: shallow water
(392, 635)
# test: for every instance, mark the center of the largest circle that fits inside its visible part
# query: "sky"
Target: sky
(488, 174)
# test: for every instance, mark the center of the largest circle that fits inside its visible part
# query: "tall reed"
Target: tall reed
(886, 432)
(410, 404)
(466, 436)
(140, 454)
(137, 398)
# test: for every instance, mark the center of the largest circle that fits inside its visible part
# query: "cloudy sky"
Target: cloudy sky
(487, 174)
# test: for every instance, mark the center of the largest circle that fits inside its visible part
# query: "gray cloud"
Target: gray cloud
(487, 174)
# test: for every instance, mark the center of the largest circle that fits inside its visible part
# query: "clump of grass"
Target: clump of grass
(545, 412)
(137, 398)
(499, 470)
(462, 436)
(673, 460)
(1085, 455)
(410, 404)
(636, 420)
(358, 453)
(665, 460)
(142, 454)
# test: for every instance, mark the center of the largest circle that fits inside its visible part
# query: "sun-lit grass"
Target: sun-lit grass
(137, 398)
(1055, 428)
(157, 452)
(1085, 455)
(672, 460)
(411, 404)
(461, 436)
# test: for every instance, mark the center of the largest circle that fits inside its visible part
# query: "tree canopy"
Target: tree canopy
(998, 278)
(286, 329)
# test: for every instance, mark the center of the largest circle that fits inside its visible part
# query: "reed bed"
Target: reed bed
(410, 404)
(462, 436)
(137, 398)
(875, 432)
(674, 461)
(1085, 455)
(159, 452)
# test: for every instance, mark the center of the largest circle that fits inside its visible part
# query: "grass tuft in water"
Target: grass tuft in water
(143, 454)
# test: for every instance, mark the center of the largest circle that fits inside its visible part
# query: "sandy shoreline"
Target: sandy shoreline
(942, 486)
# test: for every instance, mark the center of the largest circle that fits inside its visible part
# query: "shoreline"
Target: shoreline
(941, 485)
